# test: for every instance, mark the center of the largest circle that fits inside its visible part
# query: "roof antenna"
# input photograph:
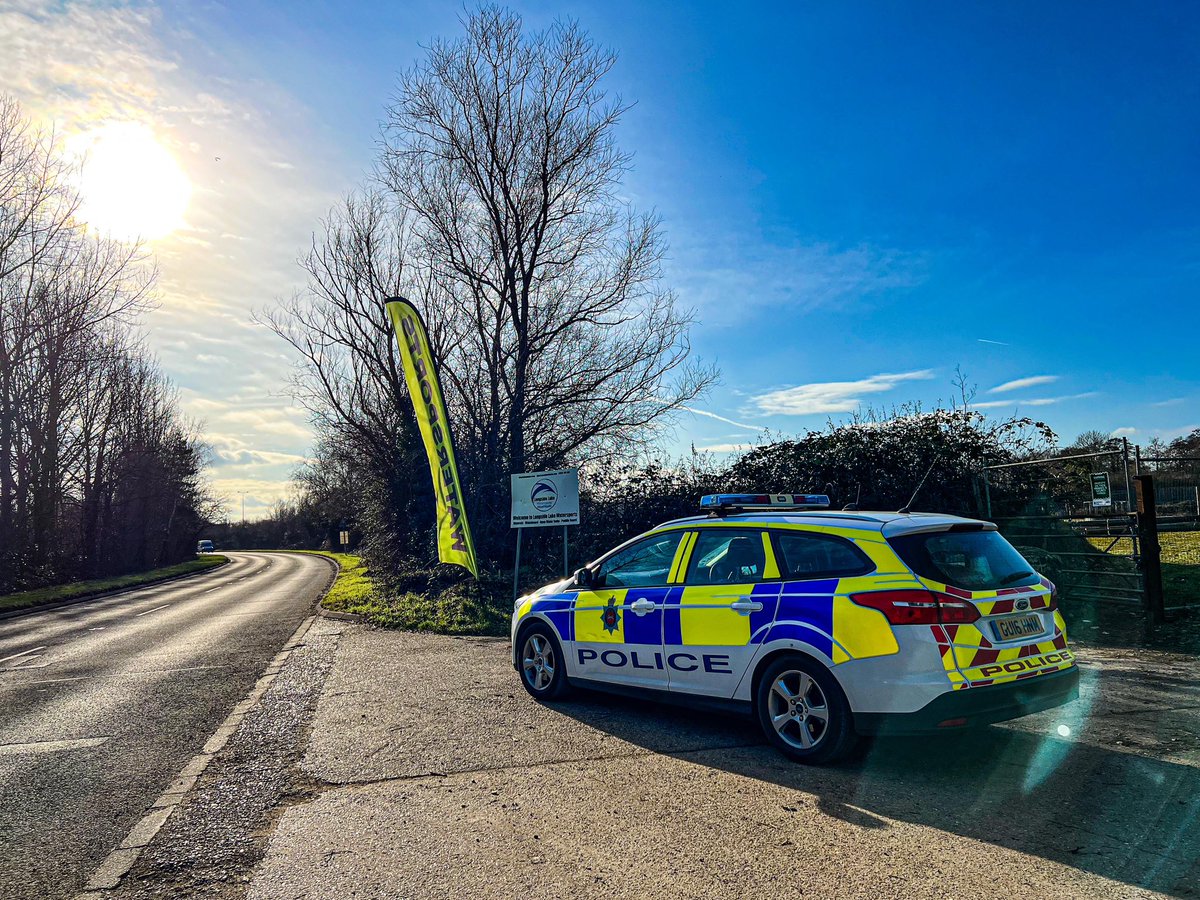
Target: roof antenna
(857, 497)
(905, 508)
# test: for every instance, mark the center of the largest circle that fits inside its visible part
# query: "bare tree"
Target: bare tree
(92, 446)
(350, 377)
(543, 288)
(497, 210)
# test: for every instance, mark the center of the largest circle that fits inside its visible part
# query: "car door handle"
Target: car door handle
(643, 606)
(746, 606)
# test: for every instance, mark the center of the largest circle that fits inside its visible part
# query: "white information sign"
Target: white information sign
(545, 498)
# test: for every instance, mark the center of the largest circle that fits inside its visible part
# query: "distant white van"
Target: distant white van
(205, 547)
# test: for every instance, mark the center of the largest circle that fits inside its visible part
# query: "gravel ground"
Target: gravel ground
(210, 844)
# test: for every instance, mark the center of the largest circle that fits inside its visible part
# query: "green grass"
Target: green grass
(79, 589)
(419, 602)
(1178, 547)
(1180, 562)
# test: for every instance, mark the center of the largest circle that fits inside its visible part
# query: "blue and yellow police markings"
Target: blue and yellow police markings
(558, 610)
(607, 616)
(821, 614)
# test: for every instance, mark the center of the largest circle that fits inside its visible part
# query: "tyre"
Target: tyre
(803, 711)
(541, 664)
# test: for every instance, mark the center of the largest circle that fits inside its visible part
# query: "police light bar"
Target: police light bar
(764, 501)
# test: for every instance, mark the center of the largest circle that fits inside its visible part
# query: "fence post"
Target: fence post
(1125, 458)
(1151, 555)
(517, 567)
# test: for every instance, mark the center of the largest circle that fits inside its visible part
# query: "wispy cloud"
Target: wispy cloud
(833, 396)
(731, 276)
(1018, 384)
(1031, 401)
(1123, 432)
(1168, 434)
(1174, 401)
(723, 448)
(997, 343)
(713, 415)
(248, 457)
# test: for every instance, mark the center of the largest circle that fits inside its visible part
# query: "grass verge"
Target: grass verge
(422, 601)
(77, 590)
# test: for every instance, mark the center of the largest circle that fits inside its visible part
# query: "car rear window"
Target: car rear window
(971, 560)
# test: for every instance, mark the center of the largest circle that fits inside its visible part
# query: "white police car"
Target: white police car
(826, 625)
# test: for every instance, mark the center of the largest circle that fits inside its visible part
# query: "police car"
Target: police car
(826, 625)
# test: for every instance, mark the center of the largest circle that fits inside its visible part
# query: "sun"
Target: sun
(130, 185)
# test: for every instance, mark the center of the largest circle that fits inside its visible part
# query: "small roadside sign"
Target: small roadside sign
(344, 539)
(545, 498)
(1101, 490)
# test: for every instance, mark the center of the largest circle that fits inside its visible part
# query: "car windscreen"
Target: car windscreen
(971, 560)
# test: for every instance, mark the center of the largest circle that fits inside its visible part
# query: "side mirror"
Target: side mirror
(585, 577)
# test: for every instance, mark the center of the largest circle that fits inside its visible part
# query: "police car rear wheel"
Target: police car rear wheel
(542, 670)
(804, 712)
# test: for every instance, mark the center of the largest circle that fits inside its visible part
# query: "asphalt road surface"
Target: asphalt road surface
(103, 702)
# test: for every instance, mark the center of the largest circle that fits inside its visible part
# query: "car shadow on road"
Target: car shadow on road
(1126, 817)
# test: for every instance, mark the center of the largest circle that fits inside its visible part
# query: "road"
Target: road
(103, 702)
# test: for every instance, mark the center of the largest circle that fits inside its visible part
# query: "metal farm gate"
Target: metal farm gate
(1089, 547)
(1113, 530)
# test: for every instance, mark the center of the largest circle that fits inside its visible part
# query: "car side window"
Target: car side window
(726, 556)
(644, 564)
(802, 555)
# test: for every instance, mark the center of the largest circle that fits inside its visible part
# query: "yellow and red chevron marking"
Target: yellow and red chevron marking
(972, 660)
(943, 635)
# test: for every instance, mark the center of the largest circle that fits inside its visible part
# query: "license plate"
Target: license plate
(1017, 626)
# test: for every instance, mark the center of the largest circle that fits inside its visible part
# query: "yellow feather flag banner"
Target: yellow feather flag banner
(454, 535)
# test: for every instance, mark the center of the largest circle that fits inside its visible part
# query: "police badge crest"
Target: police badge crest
(610, 617)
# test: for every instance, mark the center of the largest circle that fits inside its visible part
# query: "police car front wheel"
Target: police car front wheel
(803, 711)
(541, 664)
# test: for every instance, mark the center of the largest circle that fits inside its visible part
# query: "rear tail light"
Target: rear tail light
(955, 611)
(918, 607)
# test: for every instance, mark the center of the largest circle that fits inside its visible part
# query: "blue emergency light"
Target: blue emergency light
(764, 501)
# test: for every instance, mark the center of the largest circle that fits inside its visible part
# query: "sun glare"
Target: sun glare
(130, 185)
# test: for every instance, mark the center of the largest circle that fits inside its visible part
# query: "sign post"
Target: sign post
(1101, 490)
(541, 499)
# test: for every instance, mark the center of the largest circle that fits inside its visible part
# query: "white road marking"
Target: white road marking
(210, 590)
(28, 659)
(22, 653)
(98, 628)
(147, 612)
(50, 746)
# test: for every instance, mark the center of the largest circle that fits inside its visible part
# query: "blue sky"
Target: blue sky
(859, 197)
